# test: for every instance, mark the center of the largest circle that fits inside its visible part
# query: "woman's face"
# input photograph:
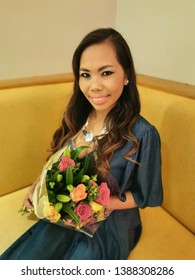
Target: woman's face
(102, 78)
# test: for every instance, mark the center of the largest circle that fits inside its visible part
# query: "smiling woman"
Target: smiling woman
(123, 148)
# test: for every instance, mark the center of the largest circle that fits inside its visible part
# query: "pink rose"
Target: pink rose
(65, 162)
(84, 211)
(78, 193)
(104, 194)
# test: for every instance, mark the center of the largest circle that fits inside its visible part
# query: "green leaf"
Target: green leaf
(76, 152)
(86, 164)
(79, 177)
(69, 175)
(54, 177)
(51, 196)
(67, 209)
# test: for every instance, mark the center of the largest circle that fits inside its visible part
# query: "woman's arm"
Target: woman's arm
(116, 204)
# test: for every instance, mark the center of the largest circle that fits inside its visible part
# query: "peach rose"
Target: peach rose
(78, 193)
(104, 194)
(84, 211)
(50, 213)
(65, 162)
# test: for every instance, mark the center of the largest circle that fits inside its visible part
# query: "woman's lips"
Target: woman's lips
(99, 100)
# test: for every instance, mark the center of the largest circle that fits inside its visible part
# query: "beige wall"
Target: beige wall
(38, 37)
(161, 35)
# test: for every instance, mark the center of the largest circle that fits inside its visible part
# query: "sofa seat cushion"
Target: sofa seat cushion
(13, 224)
(163, 238)
(155, 220)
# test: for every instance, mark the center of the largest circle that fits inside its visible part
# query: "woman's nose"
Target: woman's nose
(96, 84)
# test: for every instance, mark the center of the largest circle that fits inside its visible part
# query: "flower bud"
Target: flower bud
(51, 184)
(58, 206)
(85, 178)
(70, 188)
(67, 152)
(63, 198)
(59, 178)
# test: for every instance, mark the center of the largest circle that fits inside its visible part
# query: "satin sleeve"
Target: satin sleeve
(143, 178)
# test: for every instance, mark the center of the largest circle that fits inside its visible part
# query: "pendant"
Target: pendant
(88, 135)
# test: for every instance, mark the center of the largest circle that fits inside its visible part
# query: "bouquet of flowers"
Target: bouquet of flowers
(68, 196)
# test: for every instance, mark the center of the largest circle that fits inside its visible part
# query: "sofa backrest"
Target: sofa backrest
(174, 117)
(28, 118)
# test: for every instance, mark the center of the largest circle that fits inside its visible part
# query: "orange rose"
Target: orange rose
(78, 193)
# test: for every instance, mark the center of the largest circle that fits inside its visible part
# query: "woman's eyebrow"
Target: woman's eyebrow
(100, 69)
(104, 67)
(84, 70)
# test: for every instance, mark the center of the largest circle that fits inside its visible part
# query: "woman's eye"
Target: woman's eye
(84, 75)
(107, 73)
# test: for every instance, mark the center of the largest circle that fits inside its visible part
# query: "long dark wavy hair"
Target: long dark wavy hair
(120, 120)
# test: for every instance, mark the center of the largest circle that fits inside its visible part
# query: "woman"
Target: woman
(104, 113)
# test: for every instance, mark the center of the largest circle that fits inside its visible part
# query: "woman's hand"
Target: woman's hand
(27, 203)
(116, 204)
(28, 199)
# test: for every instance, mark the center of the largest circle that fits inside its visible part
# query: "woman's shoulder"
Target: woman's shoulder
(142, 123)
(143, 126)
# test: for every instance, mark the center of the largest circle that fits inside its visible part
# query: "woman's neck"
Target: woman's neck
(98, 116)
(96, 122)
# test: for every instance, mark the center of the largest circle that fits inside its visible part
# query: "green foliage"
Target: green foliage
(67, 209)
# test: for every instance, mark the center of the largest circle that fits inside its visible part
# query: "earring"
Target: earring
(126, 82)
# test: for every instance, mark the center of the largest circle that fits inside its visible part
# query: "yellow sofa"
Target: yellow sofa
(30, 113)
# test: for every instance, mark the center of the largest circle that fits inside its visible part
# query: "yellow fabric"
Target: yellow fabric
(13, 224)
(174, 117)
(163, 238)
(29, 117)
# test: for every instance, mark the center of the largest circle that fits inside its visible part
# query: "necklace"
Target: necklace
(88, 135)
